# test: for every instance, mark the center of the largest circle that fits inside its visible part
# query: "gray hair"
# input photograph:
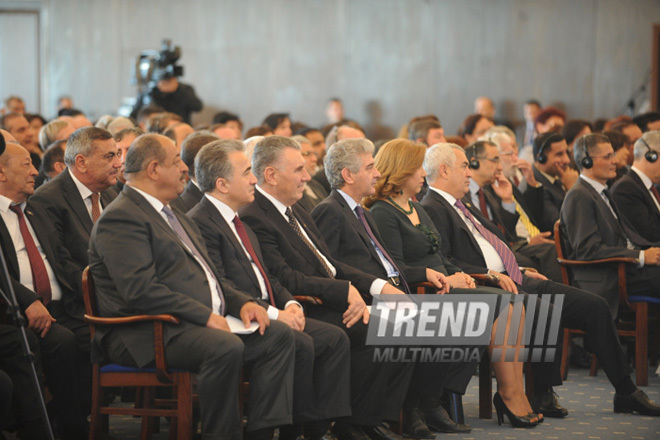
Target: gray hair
(212, 162)
(497, 136)
(145, 149)
(267, 151)
(301, 139)
(120, 135)
(585, 145)
(48, 132)
(118, 124)
(439, 154)
(650, 139)
(345, 154)
(420, 129)
(80, 142)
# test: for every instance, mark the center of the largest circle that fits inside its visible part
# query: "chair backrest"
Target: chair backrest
(89, 296)
(559, 246)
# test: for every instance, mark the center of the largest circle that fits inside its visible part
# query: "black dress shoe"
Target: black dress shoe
(635, 402)
(414, 426)
(547, 404)
(438, 420)
(380, 432)
(344, 431)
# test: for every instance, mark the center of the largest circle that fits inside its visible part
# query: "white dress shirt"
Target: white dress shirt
(85, 193)
(647, 184)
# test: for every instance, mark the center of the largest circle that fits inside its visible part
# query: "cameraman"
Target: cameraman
(173, 96)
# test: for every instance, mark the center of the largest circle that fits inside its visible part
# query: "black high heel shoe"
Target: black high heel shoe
(516, 421)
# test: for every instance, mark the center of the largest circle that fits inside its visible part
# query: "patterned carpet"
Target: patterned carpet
(588, 399)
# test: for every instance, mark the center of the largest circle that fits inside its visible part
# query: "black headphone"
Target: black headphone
(587, 162)
(542, 158)
(651, 155)
(472, 156)
(550, 138)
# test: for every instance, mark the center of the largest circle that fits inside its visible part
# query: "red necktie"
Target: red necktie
(482, 204)
(242, 233)
(516, 181)
(40, 281)
(96, 209)
(655, 192)
(509, 260)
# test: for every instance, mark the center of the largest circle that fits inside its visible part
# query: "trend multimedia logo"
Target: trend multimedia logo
(457, 327)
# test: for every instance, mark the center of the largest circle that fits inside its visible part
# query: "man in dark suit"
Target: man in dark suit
(552, 171)
(30, 247)
(472, 243)
(191, 195)
(592, 224)
(635, 194)
(296, 254)
(353, 238)
(492, 194)
(147, 259)
(322, 381)
(74, 200)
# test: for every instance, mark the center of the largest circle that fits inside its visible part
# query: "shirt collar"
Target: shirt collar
(599, 187)
(645, 179)
(448, 197)
(157, 204)
(474, 186)
(6, 202)
(82, 189)
(548, 176)
(227, 213)
(281, 207)
(351, 202)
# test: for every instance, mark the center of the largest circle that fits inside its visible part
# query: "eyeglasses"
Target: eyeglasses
(307, 153)
(510, 153)
(607, 157)
(495, 160)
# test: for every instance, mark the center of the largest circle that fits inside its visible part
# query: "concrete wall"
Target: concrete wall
(411, 57)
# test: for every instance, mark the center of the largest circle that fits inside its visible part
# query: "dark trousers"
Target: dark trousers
(587, 312)
(321, 389)
(377, 389)
(218, 357)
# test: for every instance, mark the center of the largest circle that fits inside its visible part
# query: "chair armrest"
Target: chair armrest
(308, 299)
(485, 279)
(617, 260)
(130, 319)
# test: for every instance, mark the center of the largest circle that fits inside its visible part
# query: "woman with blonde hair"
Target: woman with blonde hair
(413, 241)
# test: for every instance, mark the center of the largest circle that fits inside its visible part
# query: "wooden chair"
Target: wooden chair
(637, 306)
(113, 375)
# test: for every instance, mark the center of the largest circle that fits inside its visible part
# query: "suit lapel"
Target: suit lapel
(647, 196)
(74, 199)
(355, 224)
(9, 250)
(605, 211)
(457, 220)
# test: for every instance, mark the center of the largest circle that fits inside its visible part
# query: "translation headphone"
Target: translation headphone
(587, 162)
(650, 155)
(542, 158)
(472, 157)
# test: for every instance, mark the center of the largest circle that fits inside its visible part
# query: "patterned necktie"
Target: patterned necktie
(40, 281)
(96, 208)
(482, 204)
(296, 227)
(509, 260)
(242, 233)
(527, 223)
(183, 235)
(360, 213)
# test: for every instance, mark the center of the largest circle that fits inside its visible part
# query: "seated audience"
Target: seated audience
(279, 124)
(474, 126)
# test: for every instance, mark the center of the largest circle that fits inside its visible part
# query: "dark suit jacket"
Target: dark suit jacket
(591, 232)
(229, 257)
(553, 197)
(47, 237)
(308, 203)
(346, 237)
(501, 217)
(293, 263)
(410, 247)
(458, 243)
(61, 200)
(531, 202)
(140, 266)
(637, 207)
(190, 196)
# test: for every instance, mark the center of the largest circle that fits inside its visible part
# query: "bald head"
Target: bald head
(16, 173)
